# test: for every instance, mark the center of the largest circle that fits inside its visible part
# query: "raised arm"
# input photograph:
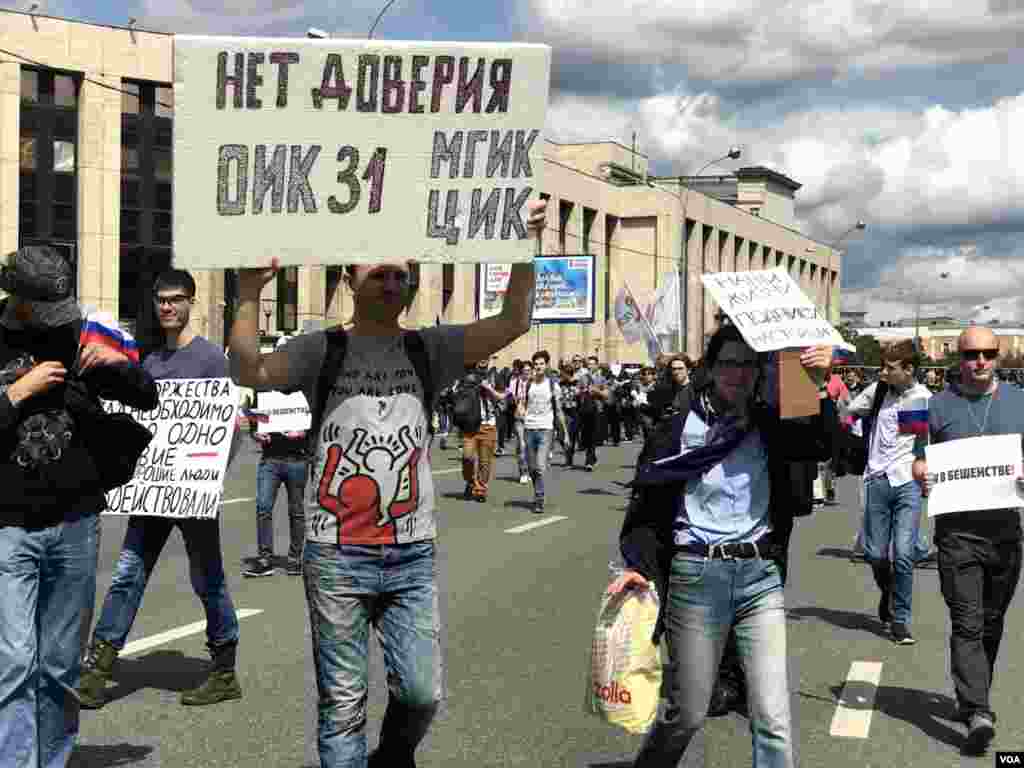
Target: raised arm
(490, 334)
(256, 370)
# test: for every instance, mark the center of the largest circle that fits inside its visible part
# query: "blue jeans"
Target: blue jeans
(892, 516)
(705, 599)
(394, 589)
(46, 576)
(270, 474)
(538, 451)
(519, 430)
(143, 541)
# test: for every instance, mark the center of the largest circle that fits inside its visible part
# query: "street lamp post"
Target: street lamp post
(734, 153)
(859, 226)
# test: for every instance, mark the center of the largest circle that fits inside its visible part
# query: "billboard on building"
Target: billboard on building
(565, 289)
(355, 151)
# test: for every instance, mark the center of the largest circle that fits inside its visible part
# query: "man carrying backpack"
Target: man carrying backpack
(476, 414)
(369, 556)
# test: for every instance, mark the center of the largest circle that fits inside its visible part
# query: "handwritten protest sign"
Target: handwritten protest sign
(770, 310)
(328, 151)
(974, 473)
(284, 413)
(181, 473)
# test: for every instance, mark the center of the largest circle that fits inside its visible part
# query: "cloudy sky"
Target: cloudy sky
(908, 114)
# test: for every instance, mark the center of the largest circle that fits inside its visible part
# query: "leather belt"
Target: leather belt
(743, 550)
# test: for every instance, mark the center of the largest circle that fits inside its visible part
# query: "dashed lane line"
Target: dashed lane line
(145, 643)
(852, 719)
(536, 524)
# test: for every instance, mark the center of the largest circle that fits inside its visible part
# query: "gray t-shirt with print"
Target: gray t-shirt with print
(370, 480)
(951, 416)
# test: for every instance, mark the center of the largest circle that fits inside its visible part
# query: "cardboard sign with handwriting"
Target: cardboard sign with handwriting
(770, 310)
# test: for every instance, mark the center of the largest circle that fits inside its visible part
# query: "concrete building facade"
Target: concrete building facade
(86, 165)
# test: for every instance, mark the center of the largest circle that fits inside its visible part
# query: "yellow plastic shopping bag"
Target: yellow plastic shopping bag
(625, 667)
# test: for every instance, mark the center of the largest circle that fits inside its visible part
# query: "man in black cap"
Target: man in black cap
(50, 385)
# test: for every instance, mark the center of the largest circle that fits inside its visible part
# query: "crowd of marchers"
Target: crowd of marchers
(720, 482)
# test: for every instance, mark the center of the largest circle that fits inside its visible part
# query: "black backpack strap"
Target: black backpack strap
(334, 358)
(416, 351)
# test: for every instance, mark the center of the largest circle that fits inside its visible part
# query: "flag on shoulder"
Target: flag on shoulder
(913, 416)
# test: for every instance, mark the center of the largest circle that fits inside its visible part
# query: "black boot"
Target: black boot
(401, 732)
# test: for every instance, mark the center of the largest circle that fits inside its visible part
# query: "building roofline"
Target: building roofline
(87, 23)
(592, 143)
(760, 172)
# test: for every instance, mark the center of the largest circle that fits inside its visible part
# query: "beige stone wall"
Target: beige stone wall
(10, 114)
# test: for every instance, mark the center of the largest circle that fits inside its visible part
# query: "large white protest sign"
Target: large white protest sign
(355, 151)
(770, 310)
(181, 473)
(974, 473)
(278, 412)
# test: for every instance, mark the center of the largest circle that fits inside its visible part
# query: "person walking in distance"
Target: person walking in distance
(543, 411)
(479, 444)
(979, 552)
(369, 559)
(185, 355)
(518, 391)
(284, 459)
(592, 394)
(895, 414)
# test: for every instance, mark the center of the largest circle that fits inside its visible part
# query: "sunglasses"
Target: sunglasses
(975, 354)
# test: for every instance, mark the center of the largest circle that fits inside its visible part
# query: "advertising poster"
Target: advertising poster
(565, 289)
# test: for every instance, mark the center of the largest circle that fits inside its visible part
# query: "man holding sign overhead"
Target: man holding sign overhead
(979, 550)
(370, 507)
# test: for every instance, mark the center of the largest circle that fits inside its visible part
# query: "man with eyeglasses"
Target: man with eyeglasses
(894, 414)
(979, 552)
(185, 355)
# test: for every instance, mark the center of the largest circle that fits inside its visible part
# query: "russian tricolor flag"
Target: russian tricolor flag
(913, 417)
(101, 328)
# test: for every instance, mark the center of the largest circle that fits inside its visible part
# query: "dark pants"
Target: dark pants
(589, 422)
(630, 422)
(978, 579)
(614, 417)
(502, 419)
(569, 439)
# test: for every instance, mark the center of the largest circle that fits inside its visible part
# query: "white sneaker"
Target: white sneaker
(524, 479)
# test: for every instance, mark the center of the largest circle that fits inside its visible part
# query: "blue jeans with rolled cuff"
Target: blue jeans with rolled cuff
(891, 520)
(271, 474)
(392, 588)
(538, 454)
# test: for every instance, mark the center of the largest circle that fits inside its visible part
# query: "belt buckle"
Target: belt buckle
(724, 554)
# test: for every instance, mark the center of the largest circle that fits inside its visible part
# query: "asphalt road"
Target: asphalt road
(519, 616)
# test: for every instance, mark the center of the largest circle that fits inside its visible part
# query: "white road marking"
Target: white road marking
(451, 471)
(852, 719)
(536, 524)
(237, 501)
(138, 646)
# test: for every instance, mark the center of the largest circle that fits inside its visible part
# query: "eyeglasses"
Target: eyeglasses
(974, 354)
(172, 301)
(746, 365)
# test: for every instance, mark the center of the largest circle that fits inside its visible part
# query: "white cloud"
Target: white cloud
(895, 169)
(745, 41)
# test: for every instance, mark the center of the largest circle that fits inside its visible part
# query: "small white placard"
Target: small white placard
(770, 310)
(181, 473)
(284, 413)
(355, 151)
(974, 473)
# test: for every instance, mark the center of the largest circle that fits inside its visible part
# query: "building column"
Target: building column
(10, 154)
(312, 293)
(99, 193)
